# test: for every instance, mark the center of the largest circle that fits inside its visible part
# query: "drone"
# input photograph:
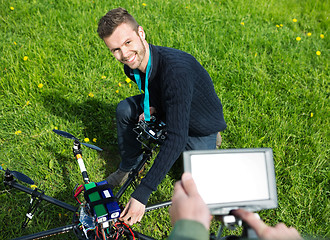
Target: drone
(97, 217)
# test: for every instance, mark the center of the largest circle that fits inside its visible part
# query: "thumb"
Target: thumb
(188, 184)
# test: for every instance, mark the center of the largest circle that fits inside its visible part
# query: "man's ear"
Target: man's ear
(141, 33)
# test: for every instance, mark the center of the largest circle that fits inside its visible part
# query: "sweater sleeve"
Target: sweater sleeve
(188, 230)
(177, 100)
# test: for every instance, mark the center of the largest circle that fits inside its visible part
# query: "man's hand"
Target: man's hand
(133, 212)
(280, 231)
(188, 204)
(152, 111)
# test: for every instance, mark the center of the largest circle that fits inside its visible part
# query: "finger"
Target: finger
(188, 184)
(123, 213)
(141, 117)
(258, 225)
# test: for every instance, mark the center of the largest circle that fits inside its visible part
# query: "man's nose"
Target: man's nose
(125, 52)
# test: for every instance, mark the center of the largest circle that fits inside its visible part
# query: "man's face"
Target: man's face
(128, 46)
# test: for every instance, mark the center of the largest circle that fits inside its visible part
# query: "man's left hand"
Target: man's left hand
(133, 212)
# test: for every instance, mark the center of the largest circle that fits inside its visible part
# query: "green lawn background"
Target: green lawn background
(269, 63)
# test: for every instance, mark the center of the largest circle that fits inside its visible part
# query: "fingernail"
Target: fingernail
(186, 176)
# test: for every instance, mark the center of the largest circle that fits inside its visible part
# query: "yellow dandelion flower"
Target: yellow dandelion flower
(318, 53)
(322, 36)
(298, 38)
(94, 139)
(12, 8)
(103, 77)
(130, 85)
(27, 103)
(33, 186)
(56, 128)
(277, 26)
(128, 80)
(281, 25)
(119, 84)
(312, 114)
(86, 139)
(18, 132)
(91, 94)
(242, 23)
(144, 4)
(255, 54)
(25, 58)
(294, 20)
(15, 43)
(40, 85)
(309, 34)
(117, 91)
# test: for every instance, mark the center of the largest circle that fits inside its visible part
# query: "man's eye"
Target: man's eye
(128, 42)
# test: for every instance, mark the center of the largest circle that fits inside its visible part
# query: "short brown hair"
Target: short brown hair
(109, 22)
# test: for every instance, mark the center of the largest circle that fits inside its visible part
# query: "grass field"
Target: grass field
(269, 62)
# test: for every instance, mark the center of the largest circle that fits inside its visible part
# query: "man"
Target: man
(191, 217)
(176, 88)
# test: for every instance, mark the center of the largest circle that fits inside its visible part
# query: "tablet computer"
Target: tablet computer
(233, 178)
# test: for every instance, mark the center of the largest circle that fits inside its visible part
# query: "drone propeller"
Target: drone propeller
(20, 176)
(70, 136)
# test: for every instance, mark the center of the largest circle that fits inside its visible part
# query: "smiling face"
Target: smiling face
(129, 47)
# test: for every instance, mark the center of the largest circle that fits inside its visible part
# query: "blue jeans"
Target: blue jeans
(127, 115)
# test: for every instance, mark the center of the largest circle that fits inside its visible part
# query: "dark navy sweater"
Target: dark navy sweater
(183, 94)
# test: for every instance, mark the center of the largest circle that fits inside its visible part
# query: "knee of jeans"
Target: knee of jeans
(123, 110)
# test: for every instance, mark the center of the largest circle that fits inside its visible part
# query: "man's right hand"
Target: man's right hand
(152, 111)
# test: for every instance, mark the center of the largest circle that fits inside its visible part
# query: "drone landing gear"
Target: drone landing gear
(36, 198)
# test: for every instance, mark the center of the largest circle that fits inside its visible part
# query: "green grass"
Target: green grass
(274, 90)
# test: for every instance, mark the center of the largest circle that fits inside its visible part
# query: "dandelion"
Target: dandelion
(318, 53)
(91, 94)
(119, 84)
(294, 20)
(33, 186)
(322, 36)
(128, 80)
(56, 128)
(18, 132)
(242, 23)
(27, 103)
(144, 4)
(298, 38)
(309, 34)
(25, 58)
(94, 139)
(117, 91)
(12, 8)
(255, 54)
(15, 43)
(312, 114)
(103, 77)
(281, 25)
(130, 85)
(40, 85)
(277, 26)
(86, 139)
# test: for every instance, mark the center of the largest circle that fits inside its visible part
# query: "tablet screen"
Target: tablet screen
(234, 178)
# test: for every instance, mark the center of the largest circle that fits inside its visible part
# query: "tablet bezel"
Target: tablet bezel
(254, 205)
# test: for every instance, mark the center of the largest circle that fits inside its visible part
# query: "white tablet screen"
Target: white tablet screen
(225, 178)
